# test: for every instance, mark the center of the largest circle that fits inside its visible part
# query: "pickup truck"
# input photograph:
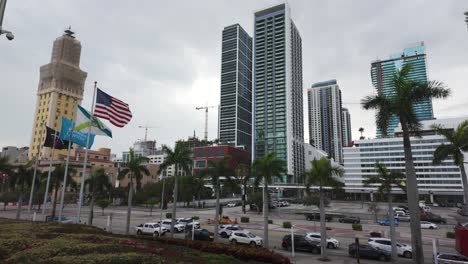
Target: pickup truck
(150, 229)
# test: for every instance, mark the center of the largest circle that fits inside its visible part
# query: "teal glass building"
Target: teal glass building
(382, 73)
(278, 93)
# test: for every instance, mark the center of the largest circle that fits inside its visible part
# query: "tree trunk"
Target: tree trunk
(323, 228)
(54, 204)
(265, 215)
(151, 210)
(464, 181)
(129, 205)
(413, 198)
(19, 205)
(174, 204)
(91, 209)
(244, 187)
(217, 216)
(392, 229)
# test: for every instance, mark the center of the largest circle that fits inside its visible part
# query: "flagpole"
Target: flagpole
(34, 175)
(80, 201)
(48, 175)
(66, 172)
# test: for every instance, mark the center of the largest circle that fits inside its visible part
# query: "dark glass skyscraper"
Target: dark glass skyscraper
(278, 102)
(382, 73)
(235, 118)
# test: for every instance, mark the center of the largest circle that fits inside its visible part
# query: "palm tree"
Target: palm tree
(57, 178)
(265, 169)
(216, 170)
(98, 183)
(134, 169)
(243, 176)
(323, 174)
(408, 92)
(361, 130)
(20, 180)
(181, 158)
(386, 180)
(457, 144)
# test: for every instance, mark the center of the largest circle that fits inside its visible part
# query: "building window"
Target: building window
(200, 164)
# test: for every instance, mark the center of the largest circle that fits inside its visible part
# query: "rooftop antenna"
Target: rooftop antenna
(69, 32)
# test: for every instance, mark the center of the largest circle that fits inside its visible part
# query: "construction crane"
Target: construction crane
(146, 130)
(206, 117)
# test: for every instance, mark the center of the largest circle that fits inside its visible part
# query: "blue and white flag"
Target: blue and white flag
(76, 137)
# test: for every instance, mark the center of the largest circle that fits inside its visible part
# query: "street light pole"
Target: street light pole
(9, 35)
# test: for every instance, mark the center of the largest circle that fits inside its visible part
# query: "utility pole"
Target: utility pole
(206, 118)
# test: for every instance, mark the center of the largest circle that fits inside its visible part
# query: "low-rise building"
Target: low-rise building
(437, 182)
(201, 156)
(15, 155)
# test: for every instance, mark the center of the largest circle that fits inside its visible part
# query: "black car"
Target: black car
(301, 243)
(204, 235)
(433, 218)
(367, 251)
(316, 216)
(350, 220)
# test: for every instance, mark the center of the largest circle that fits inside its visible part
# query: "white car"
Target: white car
(231, 204)
(331, 242)
(227, 230)
(386, 244)
(188, 222)
(448, 258)
(428, 225)
(177, 227)
(245, 237)
(150, 229)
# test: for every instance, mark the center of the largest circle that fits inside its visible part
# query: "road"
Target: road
(342, 232)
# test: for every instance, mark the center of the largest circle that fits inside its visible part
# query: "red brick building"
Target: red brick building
(201, 156)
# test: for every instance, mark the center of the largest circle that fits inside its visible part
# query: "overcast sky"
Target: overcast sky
(163, 57)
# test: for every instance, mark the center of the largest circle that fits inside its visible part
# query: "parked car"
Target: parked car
(188, 222)
(403, 218)
(426, 208)
(245, 237)
(448, 258)
(203, 234)
(231, 204)
(386, 244)
(462, 212)
(331, 242)
(227, 230)
(386, 222)
(63, 220)
(301, 243)
(368, 251)
(177, 227)
(350, 220)
(316, 216)
(428, 225)
(151, 229)
(433, 218)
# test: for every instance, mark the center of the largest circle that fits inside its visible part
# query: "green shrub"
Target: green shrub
(195, 217)
(244, 219)
(357, 227)
(287, 225)
(270, 221)
(168, 215)
(450, 234)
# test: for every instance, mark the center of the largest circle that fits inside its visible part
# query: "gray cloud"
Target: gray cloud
(163, 57)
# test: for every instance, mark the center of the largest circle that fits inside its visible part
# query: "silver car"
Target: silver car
(448, 258)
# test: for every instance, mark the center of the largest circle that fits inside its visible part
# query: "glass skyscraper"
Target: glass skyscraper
(235, 117)
(383, 71)
(278, 102)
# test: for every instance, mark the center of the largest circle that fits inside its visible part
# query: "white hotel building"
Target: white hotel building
(437, 182)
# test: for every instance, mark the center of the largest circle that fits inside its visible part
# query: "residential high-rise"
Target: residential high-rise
(346, 127)
(60, 90)
(383, 71)
(235, 117)
(278, 103)
(325, 118)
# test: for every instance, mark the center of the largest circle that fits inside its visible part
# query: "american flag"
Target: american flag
(112, 109)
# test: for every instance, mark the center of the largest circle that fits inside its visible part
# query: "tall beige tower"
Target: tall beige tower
(60, 90)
